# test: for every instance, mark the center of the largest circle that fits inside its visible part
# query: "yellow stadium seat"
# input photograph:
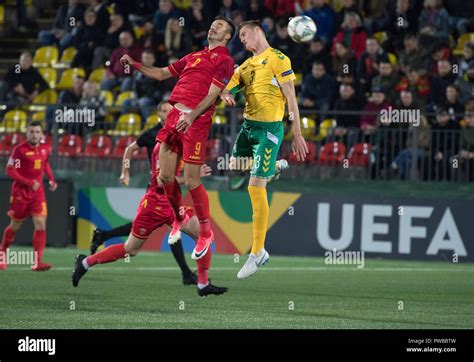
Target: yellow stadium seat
(124, 96)
(151, 121)
(45, 57)
(2, 14)
(14, 121)
(463, 39)
(324, 128)
(392, 58)
(380, 36)
(48, 96)
(49, 75)
(299, 79)
(219, 119)
(97, 75)
(128, 124)
(108, 97)
(67, 57)
(67, 78)
(13, 3)
(308, 127)
(40, 116)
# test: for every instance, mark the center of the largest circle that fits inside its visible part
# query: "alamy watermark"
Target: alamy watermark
(347, 257)
(75, 115)
(12, 257)
(390, 115)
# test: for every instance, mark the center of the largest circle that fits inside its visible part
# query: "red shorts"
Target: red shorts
(191, 145)
(21, 208)
(152, 213)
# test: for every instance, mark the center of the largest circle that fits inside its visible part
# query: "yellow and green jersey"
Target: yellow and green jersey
(260, 77)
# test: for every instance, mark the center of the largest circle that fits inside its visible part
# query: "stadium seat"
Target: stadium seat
(324, 129)
(50, 76)
(299, 79)
(124, 96)
(151, 121)
(14, 121)
(48, 141)
(9, 140)
(359, 154)
(45, 57)
(98, 146)
(463, 39)
(69, 145)
(121, 144)
(66, 57)
(308, 127)
(392, 58)
(380, 36)
(2, 15)
(39, 116)
(213, 149)
(108, 97)
(67, 78)
(218, 119)
(48, 96)
(331, 154)
(128, 124)
(97, 75)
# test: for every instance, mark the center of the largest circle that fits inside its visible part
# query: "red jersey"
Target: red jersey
(26, 164)
(197, 71)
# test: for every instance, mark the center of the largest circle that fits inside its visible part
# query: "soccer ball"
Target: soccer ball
(301, 29)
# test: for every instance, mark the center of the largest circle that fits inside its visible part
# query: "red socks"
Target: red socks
(201, 205)
(173, 193)
(8, 237)
(203, 265)
(108, 255)
(39, 243)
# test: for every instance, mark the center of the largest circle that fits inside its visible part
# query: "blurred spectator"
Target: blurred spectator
(142, 12)
(91, 100)
(416, 83)
(86, 39)
(387, 79)
(466, 147)
(236, 48)
(440, 52)
(343, 60)
(67, 18)
(147, 89)
(467, 57)
(461, 14)
(268, 24)
(316, 52)
(401, 21)
(350, 78)
(23, 82)
(281, 8)
(374, 11)
(434, 15)
(452, 103)
(410, 56)
(368, 64)
(347, 102)
(100, 8)
(116, 73)
(227, 8)
(319, 88)
(466, 84)
(371, 111)
(177, 41)
(443, 144)
(352, 34)
(163, 14)
(407, 100)
(110, 41)
(440, 83)
(347, 6)
(256, 10)
(323, 15)
(282, 41)
(198, 23)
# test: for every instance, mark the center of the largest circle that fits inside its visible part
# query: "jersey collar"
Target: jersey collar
(219, 49)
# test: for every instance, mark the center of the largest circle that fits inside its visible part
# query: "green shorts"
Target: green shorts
(260, 141)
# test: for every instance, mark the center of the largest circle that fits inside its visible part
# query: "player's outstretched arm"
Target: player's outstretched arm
(299, 147)
(151, 72)
(127, 157)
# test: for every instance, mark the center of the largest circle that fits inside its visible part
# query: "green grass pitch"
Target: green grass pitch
(288, 292)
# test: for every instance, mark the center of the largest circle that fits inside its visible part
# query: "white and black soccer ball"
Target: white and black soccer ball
(301, 29)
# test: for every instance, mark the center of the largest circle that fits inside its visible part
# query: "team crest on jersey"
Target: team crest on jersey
(265, 61)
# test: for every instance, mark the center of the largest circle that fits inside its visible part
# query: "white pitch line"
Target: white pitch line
(288, 269)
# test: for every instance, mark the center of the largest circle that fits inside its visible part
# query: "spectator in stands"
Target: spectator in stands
(350, 78)
(282, 41)
(323, 15)
(347, 102)
(460, 13)
(268, 24)
(452, 103)
(343, 60)
(281, 8)
(116, 73)
(375, 11)
(441, 82)
(319, 89)
(67, 18)
(163, 14)
(197, 23)
(86, 39)
(466, 84)
(235, 46)
(227, 8)
(368, 64)
(387, 79)
(466, 147)
(256, 10)
(416, 83)
(376, 103)
(316, 52)
(347, 7)
(23, 82)
(147, 90)
(467, 57)
(407, 100)
(352, 34)
(434, 15)
(110, 41)
(177, 40)
(92, 100)
(401, 21)
(100, 8)
(142, 12)
(443, 141)
(410, 56)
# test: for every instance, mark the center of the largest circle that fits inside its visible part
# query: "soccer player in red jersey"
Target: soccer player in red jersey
(153, 211)
(202, 77)
(27, 163)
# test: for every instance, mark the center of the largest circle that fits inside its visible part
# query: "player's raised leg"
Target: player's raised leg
(7, 239)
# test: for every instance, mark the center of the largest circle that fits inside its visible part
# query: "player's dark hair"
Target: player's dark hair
(251, 23)
(230, 24)
(34, 124)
